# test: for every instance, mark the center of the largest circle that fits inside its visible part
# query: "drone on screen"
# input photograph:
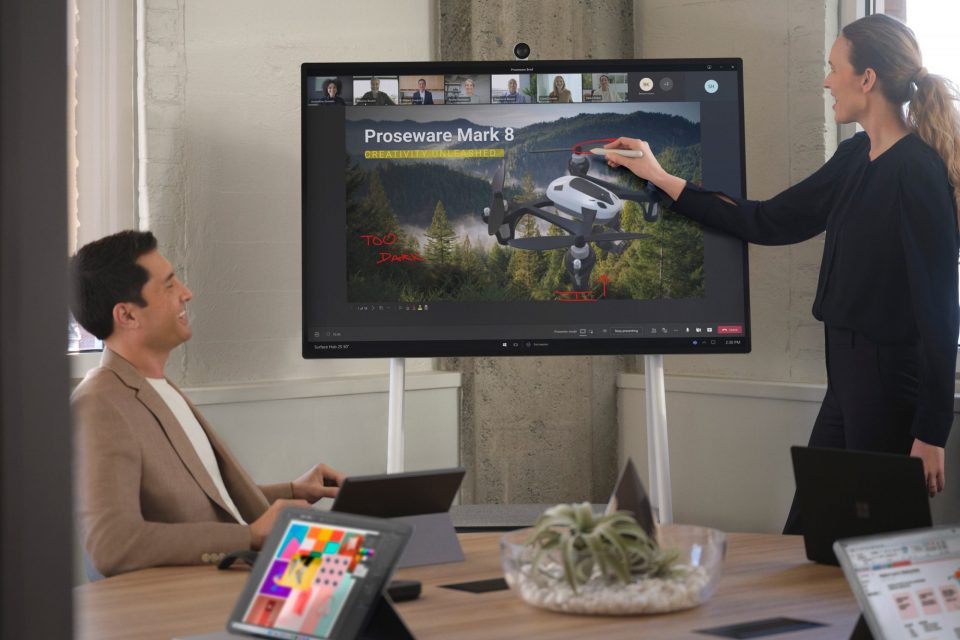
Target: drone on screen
(587, 208)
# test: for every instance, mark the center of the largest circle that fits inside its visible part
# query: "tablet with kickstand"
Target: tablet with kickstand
(844, 494)
(421, 499)
(319, 575)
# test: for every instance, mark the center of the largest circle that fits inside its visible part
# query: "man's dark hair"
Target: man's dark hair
(104, 273)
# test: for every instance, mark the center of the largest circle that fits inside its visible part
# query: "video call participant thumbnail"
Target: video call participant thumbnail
(376, 91)
(331, 91)
(463, 89)
(559, 88)
(605, 87)
(509, 89)
(421, 90)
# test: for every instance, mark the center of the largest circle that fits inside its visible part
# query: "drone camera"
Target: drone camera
(521, 50)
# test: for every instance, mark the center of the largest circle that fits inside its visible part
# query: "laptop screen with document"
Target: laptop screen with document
(907, 583)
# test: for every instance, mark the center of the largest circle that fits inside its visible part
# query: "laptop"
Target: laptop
(844, 494)
(906, 583)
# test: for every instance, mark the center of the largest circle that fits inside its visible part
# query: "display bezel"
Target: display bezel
(517, 345)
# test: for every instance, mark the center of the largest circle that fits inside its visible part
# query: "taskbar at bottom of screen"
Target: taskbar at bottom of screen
(587, 345)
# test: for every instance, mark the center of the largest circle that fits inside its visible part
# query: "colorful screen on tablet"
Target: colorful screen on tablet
(314, 576)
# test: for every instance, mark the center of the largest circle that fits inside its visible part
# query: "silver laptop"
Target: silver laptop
(907, 583)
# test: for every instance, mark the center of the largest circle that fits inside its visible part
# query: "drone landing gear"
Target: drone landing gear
(579, 262)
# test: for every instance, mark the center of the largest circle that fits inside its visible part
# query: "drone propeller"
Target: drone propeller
(613, 237)
(497, 206)
(545, 243)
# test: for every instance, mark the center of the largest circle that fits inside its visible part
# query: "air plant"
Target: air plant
(614, 544)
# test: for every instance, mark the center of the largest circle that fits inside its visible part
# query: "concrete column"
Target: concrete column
(537, 429)
(554, 29)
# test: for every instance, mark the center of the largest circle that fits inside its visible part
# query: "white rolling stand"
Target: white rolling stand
(658, 451)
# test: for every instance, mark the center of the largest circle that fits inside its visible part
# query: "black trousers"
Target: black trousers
(870, 401)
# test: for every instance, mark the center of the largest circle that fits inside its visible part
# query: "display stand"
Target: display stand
(861, 631)
(436, 540)
(658, 451)
(385, 623)
(395, 415)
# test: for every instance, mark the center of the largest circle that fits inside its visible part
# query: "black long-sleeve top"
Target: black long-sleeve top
(889, 268)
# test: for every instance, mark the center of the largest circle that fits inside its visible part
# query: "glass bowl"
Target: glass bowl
(701, 559)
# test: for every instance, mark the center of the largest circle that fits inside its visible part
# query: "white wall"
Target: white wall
(729, 444)
(220, 186)
(221, 158)
(279, 431)
(784, 46)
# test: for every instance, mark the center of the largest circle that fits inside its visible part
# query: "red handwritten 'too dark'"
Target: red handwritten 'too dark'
(386, 257)
(379, 241)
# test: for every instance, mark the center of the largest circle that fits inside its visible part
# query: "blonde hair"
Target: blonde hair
(889, 47)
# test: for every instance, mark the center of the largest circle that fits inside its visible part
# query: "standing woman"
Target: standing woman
(887, 291)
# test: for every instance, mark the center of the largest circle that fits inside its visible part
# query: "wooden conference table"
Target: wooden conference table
(764, 576)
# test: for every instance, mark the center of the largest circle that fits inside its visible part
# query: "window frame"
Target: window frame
(103, 118)
(105, 62)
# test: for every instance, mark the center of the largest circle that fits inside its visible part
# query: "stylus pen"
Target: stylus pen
(627, 153)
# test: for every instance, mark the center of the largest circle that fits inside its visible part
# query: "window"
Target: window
(102, 126)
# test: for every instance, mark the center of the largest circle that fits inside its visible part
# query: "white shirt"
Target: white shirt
(610, 95)
(198, 438)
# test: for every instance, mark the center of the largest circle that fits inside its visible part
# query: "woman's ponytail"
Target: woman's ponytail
(932, 114)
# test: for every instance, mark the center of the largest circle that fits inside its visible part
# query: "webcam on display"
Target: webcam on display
(521, 50)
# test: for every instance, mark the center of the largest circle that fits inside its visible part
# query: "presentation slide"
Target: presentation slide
(423, 187)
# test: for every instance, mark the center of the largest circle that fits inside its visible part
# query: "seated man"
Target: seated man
(156, 485)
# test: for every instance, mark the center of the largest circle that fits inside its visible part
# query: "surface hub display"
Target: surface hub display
(467, 209)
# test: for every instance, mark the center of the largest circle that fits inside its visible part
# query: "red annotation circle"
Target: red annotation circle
(576, 149)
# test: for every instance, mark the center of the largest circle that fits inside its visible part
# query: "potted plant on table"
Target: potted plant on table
(576, 561)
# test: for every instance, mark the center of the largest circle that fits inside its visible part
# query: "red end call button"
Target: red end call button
(730, 329)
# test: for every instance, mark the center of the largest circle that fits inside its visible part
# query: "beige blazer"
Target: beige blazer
(144, 498)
